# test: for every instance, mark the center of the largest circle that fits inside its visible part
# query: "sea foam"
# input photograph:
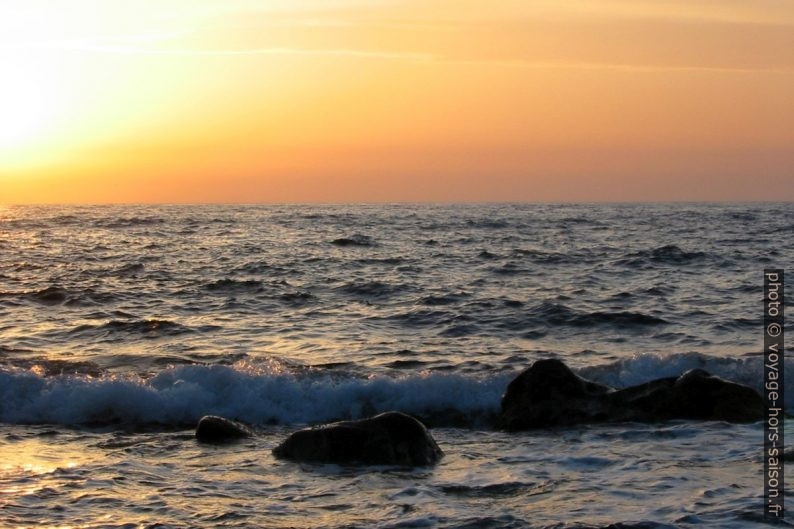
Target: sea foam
(181, 395)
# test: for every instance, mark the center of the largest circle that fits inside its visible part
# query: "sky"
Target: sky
(241, 101)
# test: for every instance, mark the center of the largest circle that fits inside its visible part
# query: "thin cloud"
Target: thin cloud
(539, 65)
(126, 46)
(118, 46)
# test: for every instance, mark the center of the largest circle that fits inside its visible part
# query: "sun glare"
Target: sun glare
(24, 111)
(28, 91)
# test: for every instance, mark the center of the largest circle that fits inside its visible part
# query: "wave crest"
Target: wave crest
(277, 392)
(669, 254)
(181, 395)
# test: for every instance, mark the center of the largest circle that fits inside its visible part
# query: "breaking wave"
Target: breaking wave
(275, 394)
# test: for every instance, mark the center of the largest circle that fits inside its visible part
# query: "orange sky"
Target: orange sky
(403, 100)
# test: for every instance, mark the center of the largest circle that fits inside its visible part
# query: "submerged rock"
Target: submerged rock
(391, 438)
(214, 429)
(549, 394)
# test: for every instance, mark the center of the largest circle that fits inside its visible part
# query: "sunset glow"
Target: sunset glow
(403, 100)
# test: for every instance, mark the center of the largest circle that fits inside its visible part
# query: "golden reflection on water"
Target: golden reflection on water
(27, 466)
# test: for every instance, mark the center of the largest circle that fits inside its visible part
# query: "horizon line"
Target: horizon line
(407, 202)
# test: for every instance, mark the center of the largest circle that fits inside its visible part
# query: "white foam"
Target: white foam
(181, 395)
(644, 367)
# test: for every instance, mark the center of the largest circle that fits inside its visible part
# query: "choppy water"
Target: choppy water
(120, 326)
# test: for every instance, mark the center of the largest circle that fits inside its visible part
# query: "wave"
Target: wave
(51, 295)
(148, 328)
(738, 324)
(382, 261)
(355, 240)
(419, 318)
(644, 367)
(52, 367)
(56, 295)
(510, 269)
(743, 216)
(84, 219)
(130, 269)
(181, 395)
(406, 364)
(297, 298)
(443, 299)
(253, 267)
(66, 220)
(234, 285)
(556, 314)
(42, 221)
(277, 393)
(668, 254)
(540, 256)
(369, 289)
(544, 316)
(487, 223)
(128, 222)
(509, 488)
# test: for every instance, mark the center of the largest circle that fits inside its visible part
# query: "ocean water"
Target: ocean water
(120, 326)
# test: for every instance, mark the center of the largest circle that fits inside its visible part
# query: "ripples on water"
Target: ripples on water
(141, 319)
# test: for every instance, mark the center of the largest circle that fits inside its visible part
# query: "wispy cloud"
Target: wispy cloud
(127, 46)
(149, 44)
(639, 68)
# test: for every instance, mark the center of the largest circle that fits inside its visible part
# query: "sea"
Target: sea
(121, 326)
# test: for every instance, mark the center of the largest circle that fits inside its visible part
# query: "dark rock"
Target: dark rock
(695, 395)
(391, 438)
(213, 429)
(550, 394)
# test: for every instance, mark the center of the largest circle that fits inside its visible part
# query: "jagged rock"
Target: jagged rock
(214, 429)
(549, 394)
(391, 438)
